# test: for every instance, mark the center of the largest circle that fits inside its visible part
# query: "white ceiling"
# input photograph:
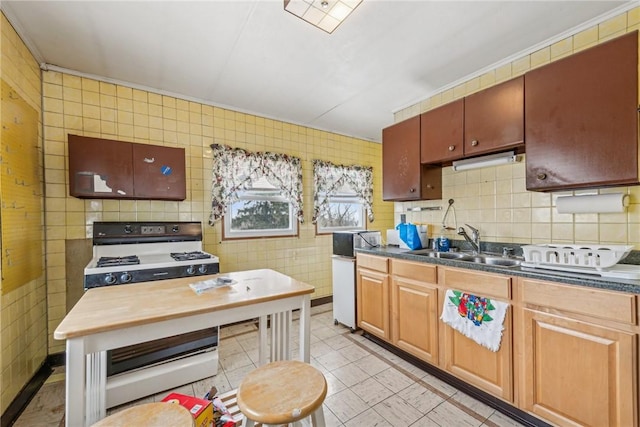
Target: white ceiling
(252, 56)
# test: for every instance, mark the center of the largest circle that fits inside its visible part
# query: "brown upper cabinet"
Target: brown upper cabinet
(494, 118)
(442, 133)
(106, 169)
(581, 115)
(403, 177)
(485, 122)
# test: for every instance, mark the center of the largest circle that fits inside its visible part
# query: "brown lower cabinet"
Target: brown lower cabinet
(569, 354)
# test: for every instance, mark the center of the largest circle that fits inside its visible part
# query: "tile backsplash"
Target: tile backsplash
(495, 201)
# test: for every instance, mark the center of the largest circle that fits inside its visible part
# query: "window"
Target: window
(345, 211)
(260, 211)
(257, 194)
(342, 196)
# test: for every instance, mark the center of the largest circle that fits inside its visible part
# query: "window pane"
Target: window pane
(342, 215)
(260, 215)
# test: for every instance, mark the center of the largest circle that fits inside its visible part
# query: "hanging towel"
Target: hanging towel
(478, 318)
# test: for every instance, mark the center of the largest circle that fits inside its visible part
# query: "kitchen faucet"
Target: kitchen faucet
(474, 240)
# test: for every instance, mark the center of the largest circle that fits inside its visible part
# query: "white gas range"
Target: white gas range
(133, 252)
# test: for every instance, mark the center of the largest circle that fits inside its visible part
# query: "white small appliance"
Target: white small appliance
(343, 263)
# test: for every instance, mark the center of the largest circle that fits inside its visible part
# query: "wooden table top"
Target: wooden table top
(114, 307)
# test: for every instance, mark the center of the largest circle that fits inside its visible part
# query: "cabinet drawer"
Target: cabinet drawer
(414, 270)
(616, 306)
(373, 262)
(477, 283)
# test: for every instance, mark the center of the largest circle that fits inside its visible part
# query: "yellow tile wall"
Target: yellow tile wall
(495, 199)
(23, 311)
(87, 107)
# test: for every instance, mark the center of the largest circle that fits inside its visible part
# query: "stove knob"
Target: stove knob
(110, 279)
(202, 269)
(191, 269)
(175, 229)
(127, 229)
(125, 278)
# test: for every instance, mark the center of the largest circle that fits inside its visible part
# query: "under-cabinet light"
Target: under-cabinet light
(484, 161)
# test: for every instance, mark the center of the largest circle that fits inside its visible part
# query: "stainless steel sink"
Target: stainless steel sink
(443, 255)
(493, 260)
(497, 261)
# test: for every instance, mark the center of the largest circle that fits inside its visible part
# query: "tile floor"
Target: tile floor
(368, 385)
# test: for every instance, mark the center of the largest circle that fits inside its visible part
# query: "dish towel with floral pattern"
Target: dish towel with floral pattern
(478, 318)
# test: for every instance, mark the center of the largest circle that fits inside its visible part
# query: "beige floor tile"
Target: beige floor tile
(46, 408)
(421, 398)
(235, 361)
(397, 411)
(428, 422)
(330, 419)
(369, 418)
(353, 352)
(447, 414)
(394, 380)
(334, 385)
(338, 341)
(371, 391)
(333, 360)
(229, 346)
(320, 348)
(471, 403)
(346, 405)
(501, 420)
(324, 332)
(373, 364)
(350, 374)
(439, 385)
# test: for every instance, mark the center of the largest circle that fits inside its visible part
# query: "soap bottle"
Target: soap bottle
(443, 242)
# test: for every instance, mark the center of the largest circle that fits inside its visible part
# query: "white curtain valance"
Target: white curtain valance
(235, 169)
(328, 178)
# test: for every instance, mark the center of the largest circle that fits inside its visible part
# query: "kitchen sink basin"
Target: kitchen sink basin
(487, 259)
(497, 261)
(460, 256)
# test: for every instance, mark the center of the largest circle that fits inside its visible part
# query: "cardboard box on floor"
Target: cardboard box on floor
(201, 409)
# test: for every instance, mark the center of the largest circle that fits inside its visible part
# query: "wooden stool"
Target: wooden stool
(282, 392)
(159, 414)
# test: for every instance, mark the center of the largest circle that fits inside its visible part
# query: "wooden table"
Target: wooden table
(116, 316)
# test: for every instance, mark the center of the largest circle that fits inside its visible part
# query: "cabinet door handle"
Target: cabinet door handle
(541, 176)
(412, 190)
(452, 147)
(474, 143)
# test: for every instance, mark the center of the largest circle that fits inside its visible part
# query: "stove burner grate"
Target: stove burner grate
(188, 256)
(109, 261)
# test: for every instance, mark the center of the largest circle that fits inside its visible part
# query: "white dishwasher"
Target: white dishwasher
(344, 291)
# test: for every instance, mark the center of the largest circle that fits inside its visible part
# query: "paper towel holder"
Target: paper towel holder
(593, 203)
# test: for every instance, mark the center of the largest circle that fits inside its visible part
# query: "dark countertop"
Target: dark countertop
(587, 280)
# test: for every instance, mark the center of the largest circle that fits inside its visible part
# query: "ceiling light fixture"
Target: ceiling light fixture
(324, 14)
(484, 161)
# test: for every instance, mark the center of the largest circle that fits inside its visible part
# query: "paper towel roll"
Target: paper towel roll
(593, 203)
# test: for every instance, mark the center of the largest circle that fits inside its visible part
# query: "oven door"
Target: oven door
(157, 351)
